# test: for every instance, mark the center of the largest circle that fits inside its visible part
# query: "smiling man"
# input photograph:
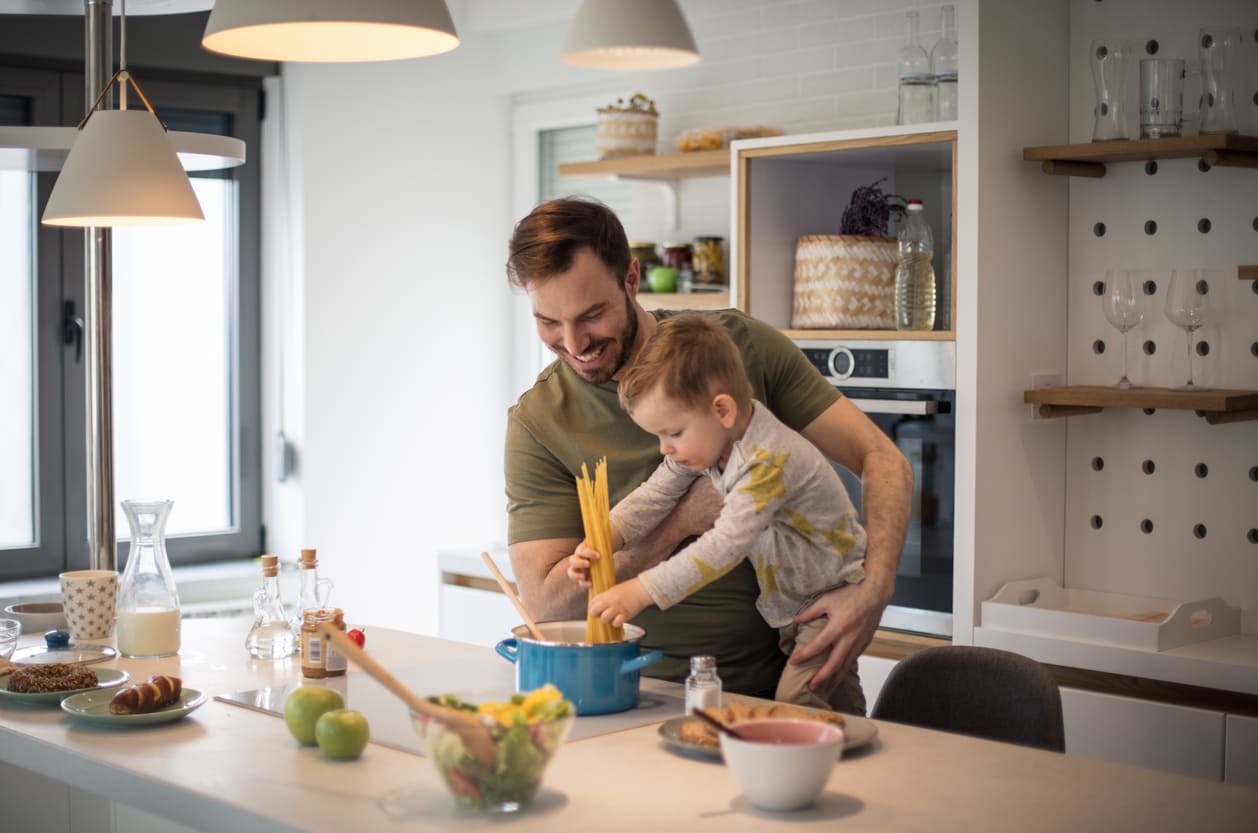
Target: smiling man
(572, 258)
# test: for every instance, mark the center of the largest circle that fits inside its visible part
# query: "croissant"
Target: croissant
(151, 695)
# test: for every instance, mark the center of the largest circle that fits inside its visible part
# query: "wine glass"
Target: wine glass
(1120, 304)
(1185, 307)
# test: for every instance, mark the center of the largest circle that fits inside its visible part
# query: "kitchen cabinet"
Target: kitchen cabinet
(1240, 761)
(786, 187)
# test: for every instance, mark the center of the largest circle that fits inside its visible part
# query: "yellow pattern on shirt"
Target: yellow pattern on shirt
(766, 480)
(766, 574)
(841, 539)
(707, 574)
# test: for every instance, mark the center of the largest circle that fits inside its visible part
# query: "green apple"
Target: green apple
(303, 707)
(662, 279)
(342, 733)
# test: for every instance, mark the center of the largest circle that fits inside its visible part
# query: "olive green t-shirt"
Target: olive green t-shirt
(564, 421)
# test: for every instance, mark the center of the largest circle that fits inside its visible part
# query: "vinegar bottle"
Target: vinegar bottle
(271, 636)
(148, 606)
(914, 275)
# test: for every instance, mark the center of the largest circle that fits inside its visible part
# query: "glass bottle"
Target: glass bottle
(313, 593)
(703, 686)
(943, 63)
(271, 636)
(917, 82)
(914, 274)
(319, 657)
(148, 606)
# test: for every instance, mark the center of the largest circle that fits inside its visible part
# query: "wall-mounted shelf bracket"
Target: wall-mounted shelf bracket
(1089, 159)
(1215, 405)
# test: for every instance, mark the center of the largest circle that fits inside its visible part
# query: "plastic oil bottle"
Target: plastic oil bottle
(914, 275)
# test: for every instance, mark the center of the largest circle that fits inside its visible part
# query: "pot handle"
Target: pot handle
(638, 663)
(507, 649)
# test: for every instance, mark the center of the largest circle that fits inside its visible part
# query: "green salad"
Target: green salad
(526, 732)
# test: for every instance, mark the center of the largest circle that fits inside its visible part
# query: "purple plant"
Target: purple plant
(871, 210)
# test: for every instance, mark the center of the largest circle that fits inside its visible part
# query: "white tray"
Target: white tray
(1042, 606)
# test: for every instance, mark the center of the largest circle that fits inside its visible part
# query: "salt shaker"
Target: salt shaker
(703, 687)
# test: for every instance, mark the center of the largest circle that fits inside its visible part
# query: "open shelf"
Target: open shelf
(1217, 405)
(872, 335)
(663, 167)
(684, 300)
(1088, 159)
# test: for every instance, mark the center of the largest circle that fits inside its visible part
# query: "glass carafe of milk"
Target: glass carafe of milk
(148, 606)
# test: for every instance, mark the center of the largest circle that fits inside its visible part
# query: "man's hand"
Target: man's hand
(621, 603)
(853, 611)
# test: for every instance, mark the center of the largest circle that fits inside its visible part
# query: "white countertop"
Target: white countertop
(229, 768)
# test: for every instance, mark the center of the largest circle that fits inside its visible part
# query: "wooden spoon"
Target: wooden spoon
(515, 600)
(719, 725)
(473, 733)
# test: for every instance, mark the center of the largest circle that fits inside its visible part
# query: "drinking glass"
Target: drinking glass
(1161, 97)
(1185, 308)
(1218, 47)
(1120, 304)
(1110, 59)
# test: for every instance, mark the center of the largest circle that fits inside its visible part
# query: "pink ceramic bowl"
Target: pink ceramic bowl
(782, 764)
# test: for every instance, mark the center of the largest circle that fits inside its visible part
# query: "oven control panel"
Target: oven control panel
(850, 363)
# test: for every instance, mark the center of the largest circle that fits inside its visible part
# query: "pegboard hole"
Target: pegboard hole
(1255, 222)
(1099, 228)
(1098, 463)
(1098, 347)
(1151, 167)
(1253, 536)
(1149, 348)
(1199, 530)
(1255, 98)
(1149, 411)
(1148, 467)
(1201, 470)
(1253, 348)
(1253, 287)
(1098, 288)
(1151, 46)
(1096, 522)
(1150, 227)
(1203, 225)
(1203, 166)
(1253, 474)
(1203, 287)
(1150, 287)
(1203, 348)
(1146, 526)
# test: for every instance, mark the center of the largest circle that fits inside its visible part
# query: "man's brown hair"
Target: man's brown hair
(692, 359)
(546, 241)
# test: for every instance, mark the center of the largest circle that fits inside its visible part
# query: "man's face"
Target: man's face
(586, 319)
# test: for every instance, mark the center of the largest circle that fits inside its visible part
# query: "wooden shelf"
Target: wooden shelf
(666, 167)
(1089, 159)
(872, 335)
(683, 300)
(1217, 405)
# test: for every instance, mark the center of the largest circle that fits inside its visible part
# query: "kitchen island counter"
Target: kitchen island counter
(230, 768)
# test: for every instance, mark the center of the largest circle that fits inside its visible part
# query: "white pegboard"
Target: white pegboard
(1169, 561)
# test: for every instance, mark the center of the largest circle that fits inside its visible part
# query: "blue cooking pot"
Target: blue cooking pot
(598, 679)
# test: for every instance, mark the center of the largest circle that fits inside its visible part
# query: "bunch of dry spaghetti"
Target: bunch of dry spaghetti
(596, 515)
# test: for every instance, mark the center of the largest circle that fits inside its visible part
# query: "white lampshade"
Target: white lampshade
(330, 31)
(122, 170)
(616, 34)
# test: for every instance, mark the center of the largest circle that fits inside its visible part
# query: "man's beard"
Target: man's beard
(626, 339)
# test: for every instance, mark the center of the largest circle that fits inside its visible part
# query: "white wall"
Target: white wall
(400, 327)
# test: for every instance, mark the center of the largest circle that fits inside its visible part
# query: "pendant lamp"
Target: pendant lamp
(615, 34)
(330, 31)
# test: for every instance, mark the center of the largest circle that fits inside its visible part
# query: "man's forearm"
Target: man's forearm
(887, 497)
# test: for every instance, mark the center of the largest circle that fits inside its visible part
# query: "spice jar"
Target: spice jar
(677, 255)
(644, 251)
(319, 657)
(709, 261)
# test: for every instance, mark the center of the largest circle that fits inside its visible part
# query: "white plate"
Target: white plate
(93, 706)
(106, 678)
(858, 732)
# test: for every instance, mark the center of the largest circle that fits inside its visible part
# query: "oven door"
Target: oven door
(921, 424)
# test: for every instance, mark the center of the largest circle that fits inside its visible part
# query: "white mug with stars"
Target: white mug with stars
(90, 599)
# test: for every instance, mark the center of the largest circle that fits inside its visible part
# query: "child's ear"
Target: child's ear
(726, 409)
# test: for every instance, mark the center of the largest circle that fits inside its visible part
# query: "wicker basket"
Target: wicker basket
(845, 282)
(625, 133)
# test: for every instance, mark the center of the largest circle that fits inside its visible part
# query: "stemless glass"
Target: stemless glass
(1120, 303)
(1185, 308)
(1110, 59)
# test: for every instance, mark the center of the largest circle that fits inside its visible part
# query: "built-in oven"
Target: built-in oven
(908, 389)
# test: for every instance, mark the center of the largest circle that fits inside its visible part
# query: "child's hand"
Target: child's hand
(621, 603)
(579, 564)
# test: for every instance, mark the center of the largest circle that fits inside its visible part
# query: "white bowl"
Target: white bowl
(37, 617)
(784, 764)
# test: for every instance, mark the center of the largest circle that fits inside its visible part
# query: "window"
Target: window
(185, 341)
